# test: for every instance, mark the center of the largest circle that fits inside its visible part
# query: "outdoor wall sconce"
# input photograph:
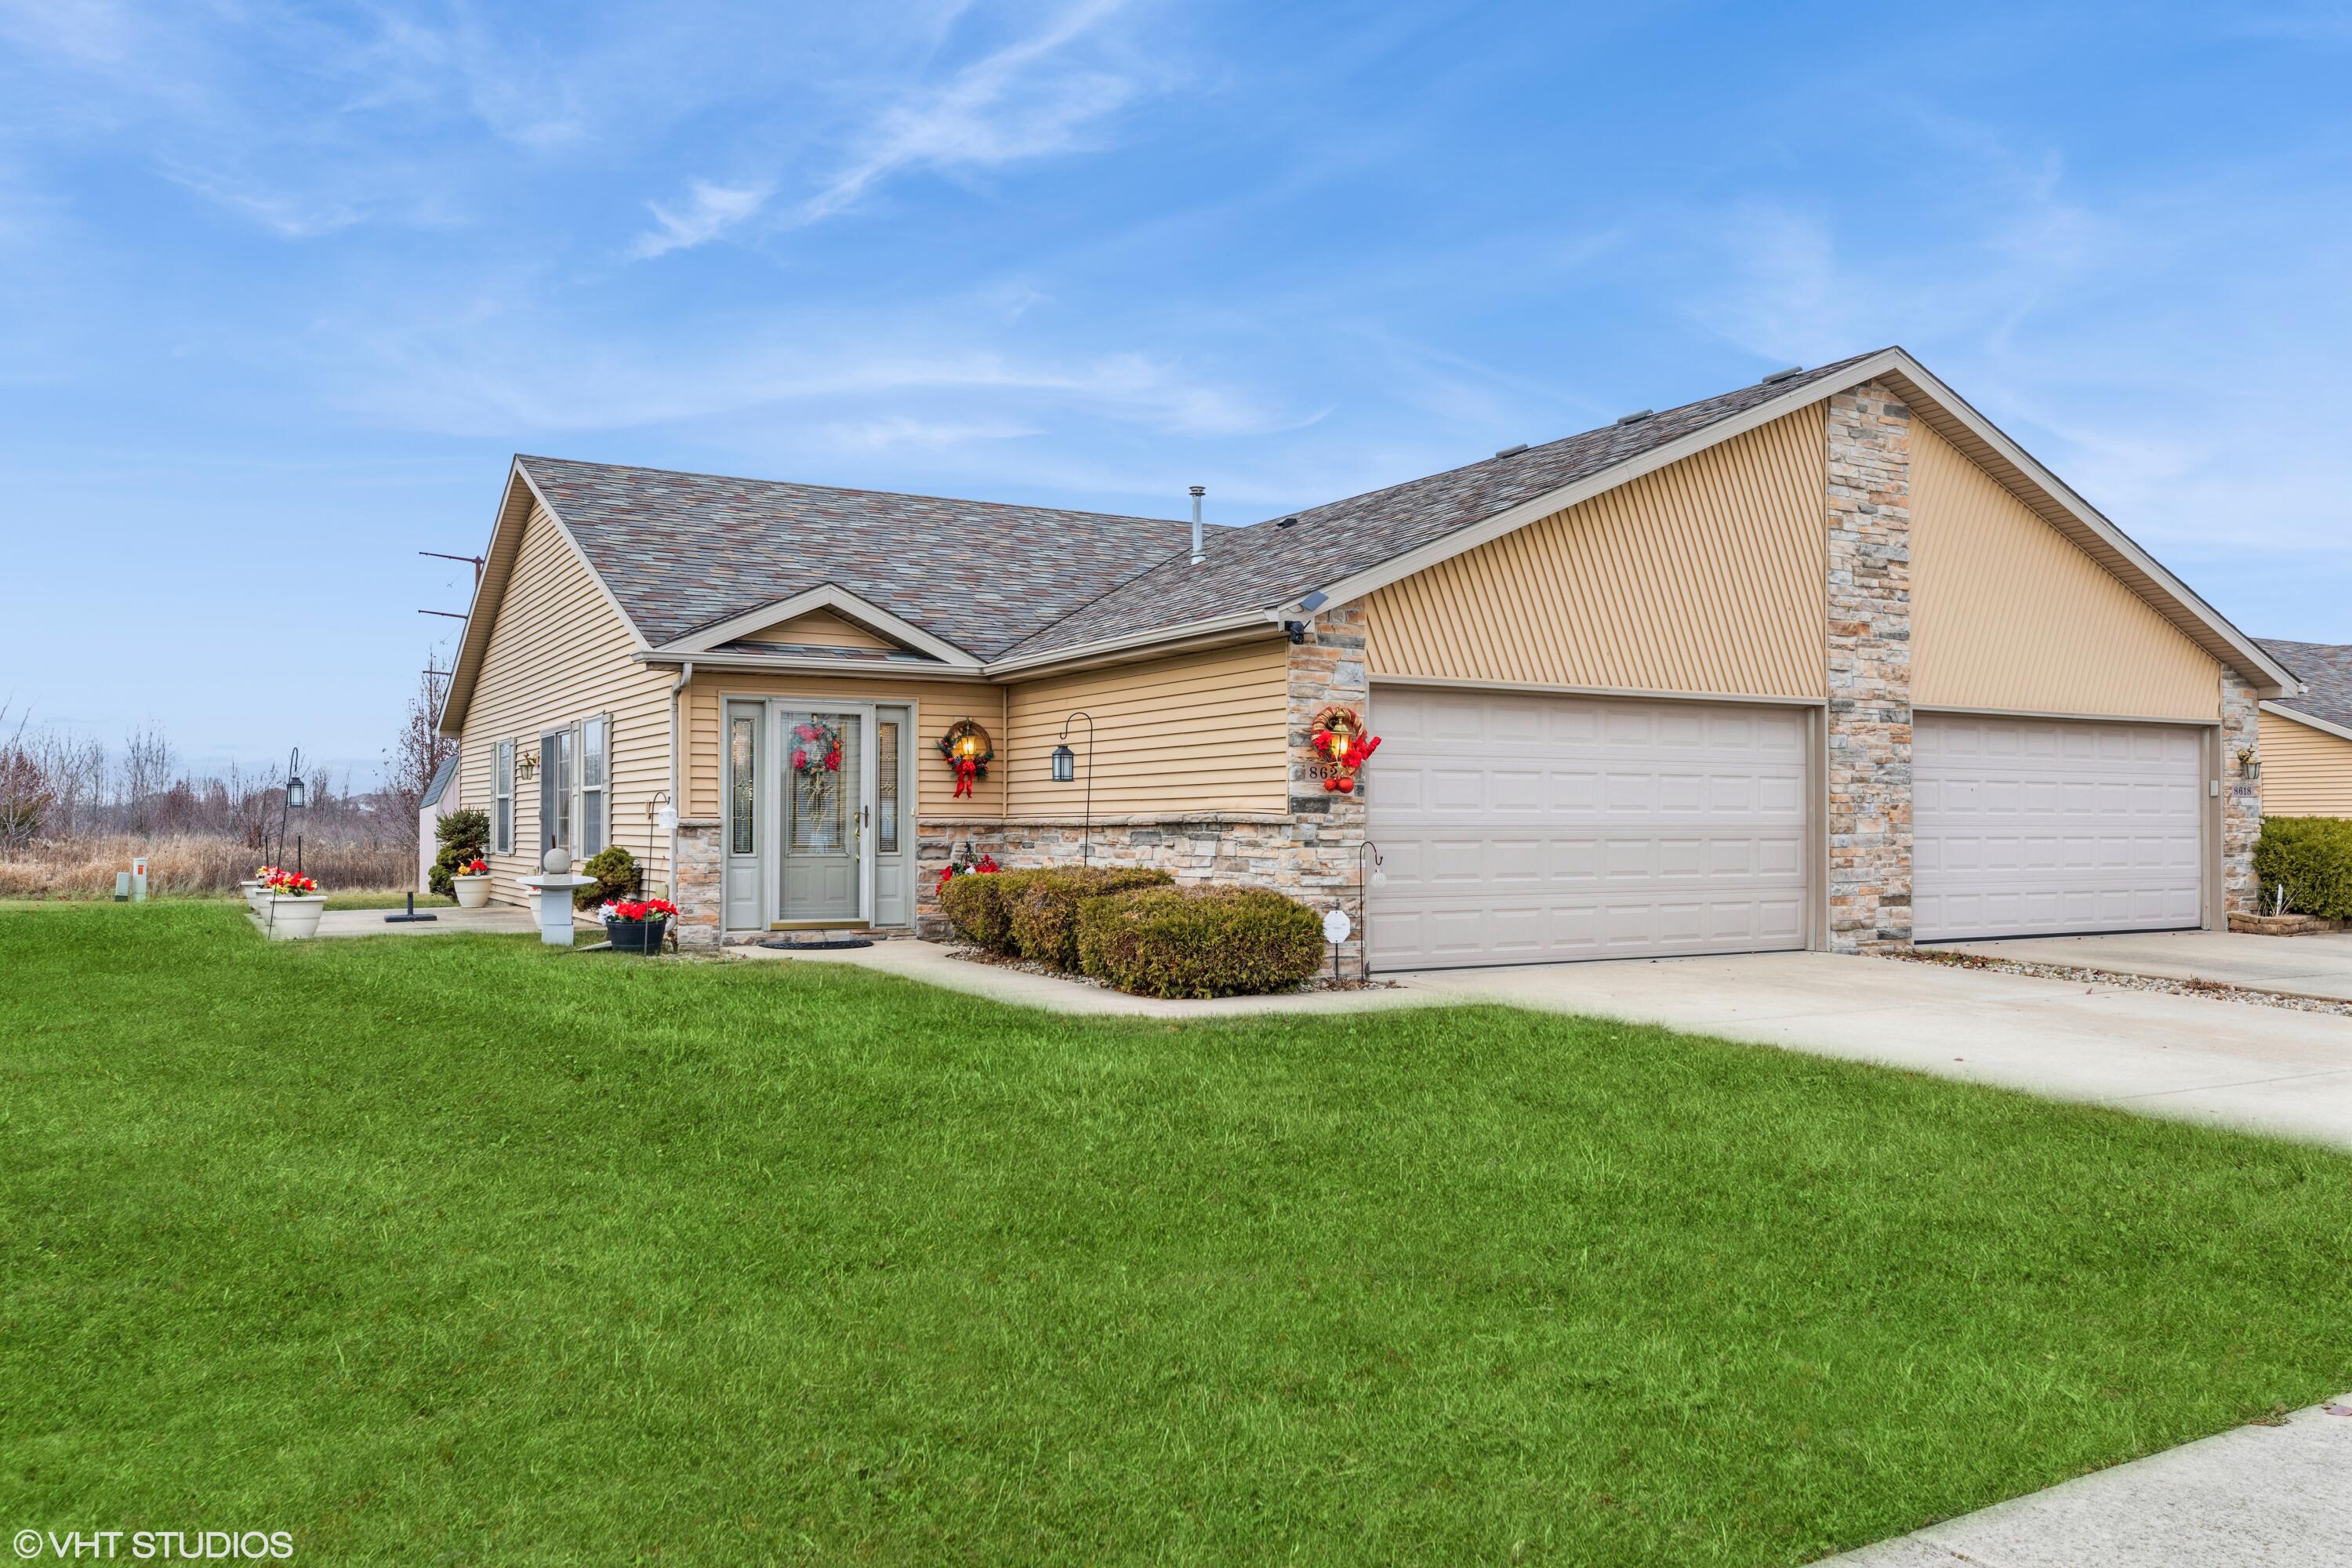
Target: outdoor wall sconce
(2248, 765)
(526, 764)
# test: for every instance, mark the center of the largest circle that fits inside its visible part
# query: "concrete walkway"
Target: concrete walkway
(2257, 1496)
(2297, 965)
(2184, 1058)
(935, 964)
(500, 919)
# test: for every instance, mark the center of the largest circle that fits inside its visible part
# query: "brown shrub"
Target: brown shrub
(1041, 907)
(1199, 941)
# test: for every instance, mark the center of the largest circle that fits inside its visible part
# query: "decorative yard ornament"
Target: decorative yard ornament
(968, 750)
(1341, 747)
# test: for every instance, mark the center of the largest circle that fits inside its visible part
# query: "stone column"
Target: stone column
(1869, 538)
(2242, 797)
(696, 886)
(1317, 864)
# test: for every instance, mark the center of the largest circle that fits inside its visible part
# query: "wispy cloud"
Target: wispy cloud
(708, 211)
(1022, 101)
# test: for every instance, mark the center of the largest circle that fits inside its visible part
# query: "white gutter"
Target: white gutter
(677, 770)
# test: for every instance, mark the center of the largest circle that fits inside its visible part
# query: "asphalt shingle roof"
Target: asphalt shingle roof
(2326, 668)
(681, 552)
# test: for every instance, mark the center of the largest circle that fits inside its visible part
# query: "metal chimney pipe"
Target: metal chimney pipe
(1198, 492)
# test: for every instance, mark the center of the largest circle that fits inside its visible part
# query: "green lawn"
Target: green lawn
(466, 1250)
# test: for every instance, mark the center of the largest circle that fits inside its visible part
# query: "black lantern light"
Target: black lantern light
(1065, 765)
(297, 797)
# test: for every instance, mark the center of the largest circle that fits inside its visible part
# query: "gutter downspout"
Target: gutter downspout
(676, 768)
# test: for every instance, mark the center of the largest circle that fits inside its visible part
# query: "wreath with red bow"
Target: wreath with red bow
(969, 751)
(1337, 737)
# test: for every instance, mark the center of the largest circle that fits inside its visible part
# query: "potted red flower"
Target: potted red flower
(472, 881)
(290, 905)
(636, 925)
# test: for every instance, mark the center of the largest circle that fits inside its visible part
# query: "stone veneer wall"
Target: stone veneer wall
(696, 886)
(1869, 538)
(1308, 851)
(2242, 797)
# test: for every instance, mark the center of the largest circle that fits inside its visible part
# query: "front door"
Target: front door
(820, 758)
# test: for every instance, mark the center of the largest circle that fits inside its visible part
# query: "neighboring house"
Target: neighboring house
(1826, 661)
(440, 799)
(2308, 739)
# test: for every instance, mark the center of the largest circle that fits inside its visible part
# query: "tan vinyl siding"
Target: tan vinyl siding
(2305, 772)
(938, 704)
(1704, 577)
(2007, 614)
(821, 628)
(558, 653)
(1203, 732)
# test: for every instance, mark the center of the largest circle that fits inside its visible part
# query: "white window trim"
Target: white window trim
(602, 791)
(502, 782)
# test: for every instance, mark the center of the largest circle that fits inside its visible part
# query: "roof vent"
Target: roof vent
(1287, 523)
(1198, 554)
(1637, 416)
(1512, 451)
(1777, 376)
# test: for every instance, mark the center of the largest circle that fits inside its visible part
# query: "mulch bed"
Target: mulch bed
(2216, 990)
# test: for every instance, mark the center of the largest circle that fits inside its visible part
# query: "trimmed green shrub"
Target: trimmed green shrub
(975, 908)
(2311, 857)
(463, 835)
(1199, 941)
(1041, 907)
(615, 870)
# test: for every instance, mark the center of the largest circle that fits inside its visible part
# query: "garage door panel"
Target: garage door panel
(1656, 828)
(2027, 827)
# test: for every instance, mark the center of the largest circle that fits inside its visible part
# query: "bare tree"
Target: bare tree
(25, 796)
(73, 770)
(416, 754)
(146, 772)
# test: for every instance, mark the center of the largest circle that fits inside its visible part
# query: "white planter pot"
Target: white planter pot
(289, 919)
(473, 893)
(251, 888)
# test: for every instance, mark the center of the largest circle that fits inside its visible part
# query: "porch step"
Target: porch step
(820, 925)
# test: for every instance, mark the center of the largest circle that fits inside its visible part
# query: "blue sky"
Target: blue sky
(285, 286)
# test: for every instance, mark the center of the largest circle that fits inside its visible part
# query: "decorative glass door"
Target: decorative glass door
(893, 840)
(822, 758)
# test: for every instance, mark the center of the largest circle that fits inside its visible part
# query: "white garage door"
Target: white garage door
(2023, 826)
(1521, 829)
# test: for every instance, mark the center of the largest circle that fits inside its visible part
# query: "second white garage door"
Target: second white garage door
(2036, 827)
(1524, 830)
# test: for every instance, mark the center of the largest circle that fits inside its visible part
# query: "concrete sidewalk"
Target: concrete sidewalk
(2256, 1497)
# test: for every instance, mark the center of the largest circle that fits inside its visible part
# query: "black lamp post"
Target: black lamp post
(297, 796)
(1064, 767)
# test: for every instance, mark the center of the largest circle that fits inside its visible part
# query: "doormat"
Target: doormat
(786, 944)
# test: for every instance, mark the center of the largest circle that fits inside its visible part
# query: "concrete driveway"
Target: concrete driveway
(2298, 965)
(2188, 1058)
